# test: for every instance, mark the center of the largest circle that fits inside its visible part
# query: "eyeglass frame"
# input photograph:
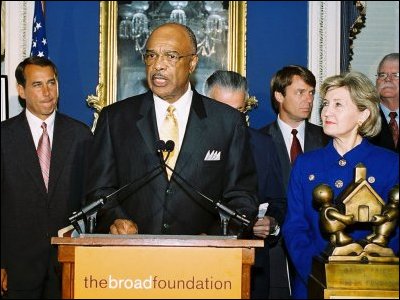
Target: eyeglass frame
(394, 75)
(164, 55)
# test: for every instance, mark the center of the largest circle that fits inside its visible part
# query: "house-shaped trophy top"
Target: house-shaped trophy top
(359, 198)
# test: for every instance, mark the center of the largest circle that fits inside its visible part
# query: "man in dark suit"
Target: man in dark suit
(38, 193)
(387, 83)
(211, 152)
(231, 88)
(292, 95)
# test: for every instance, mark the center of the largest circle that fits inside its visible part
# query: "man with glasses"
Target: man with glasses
(387, 83)
(210, 150)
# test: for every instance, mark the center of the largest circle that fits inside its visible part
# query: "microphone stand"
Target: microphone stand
(87, 213)
(225, 212)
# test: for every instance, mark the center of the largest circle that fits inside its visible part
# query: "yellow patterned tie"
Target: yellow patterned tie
(170, 131)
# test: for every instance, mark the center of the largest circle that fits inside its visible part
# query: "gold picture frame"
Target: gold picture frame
(106, 90)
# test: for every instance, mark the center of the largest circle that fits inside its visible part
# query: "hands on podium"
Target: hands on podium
(123, 226)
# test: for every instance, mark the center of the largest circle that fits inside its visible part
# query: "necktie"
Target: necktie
(170, 131)
(394, 127)
(295, 149)
(44, 154)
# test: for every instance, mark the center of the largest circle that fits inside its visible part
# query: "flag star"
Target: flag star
(34, 44)
(38, 26)
(44, 41)
(40, 54)
(34, 19)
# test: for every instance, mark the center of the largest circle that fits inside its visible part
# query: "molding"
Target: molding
(323, 45)
(19, 17)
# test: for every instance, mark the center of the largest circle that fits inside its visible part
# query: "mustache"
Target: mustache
(387, 84)
(158, 75)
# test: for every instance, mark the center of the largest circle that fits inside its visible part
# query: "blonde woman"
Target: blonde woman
(349, 114)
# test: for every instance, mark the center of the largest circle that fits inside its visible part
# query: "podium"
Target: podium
(155, 266)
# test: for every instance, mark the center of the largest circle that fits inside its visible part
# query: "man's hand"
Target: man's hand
(3, 281)
(263, 227)
(123, 226)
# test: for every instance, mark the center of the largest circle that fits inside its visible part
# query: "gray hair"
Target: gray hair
(391, 56)
(226, 79)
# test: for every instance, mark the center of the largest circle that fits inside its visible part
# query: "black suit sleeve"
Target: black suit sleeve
(103, 178)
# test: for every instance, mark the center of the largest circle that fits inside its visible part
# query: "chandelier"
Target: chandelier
(207, 19)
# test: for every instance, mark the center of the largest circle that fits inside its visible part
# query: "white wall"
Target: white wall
(379, 37)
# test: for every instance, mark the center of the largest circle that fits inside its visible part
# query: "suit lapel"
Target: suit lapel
(146, 122)
(25, 151)
(276, 134)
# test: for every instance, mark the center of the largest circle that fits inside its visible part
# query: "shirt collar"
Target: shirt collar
(35, 122)
(181, 105)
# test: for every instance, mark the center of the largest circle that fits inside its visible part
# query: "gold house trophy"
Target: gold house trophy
(356, 269)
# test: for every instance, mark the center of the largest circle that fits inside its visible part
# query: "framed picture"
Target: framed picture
(219, 26)
(4, 98)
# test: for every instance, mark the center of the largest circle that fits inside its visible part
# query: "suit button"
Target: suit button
(166, 226)
(342, 162)
(169, 191)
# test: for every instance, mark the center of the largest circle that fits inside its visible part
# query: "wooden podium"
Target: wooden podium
(69, 247)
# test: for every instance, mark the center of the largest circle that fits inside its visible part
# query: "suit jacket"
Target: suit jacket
(270, 189)
(302, 230)
(29, 215)
(124, 151)
(384, 138)
(314, 139)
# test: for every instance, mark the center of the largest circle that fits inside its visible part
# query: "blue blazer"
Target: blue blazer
(301, 229)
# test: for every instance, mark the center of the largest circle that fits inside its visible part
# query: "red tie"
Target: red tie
(295, 149)
(394, 127)
(44, 154)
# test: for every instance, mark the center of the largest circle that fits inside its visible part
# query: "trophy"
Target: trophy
(363, 268)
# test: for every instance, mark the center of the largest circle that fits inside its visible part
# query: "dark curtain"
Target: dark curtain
(352, 20)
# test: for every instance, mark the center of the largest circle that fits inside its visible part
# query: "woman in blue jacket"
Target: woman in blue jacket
(350, 114)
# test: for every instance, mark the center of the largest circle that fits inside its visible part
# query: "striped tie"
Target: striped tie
(44, 154)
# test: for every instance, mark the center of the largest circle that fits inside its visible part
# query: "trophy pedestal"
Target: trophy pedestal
(347, 279)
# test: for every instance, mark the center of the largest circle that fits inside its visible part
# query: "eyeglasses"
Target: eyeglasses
(384, 76)
(171, 57)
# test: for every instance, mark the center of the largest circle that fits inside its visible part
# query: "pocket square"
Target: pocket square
(213, 155)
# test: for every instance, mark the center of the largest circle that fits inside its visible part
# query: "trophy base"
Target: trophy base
(339, 279)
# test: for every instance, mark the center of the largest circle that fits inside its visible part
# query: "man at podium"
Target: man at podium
(210, 152)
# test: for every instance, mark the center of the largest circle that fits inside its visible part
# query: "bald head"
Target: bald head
(176, 28)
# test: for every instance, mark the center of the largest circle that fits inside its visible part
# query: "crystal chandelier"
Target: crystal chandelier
(207, 19)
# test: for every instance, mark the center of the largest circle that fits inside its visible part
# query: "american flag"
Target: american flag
(39, 40)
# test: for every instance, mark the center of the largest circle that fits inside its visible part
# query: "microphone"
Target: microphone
(93, 207)
(169, 147)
